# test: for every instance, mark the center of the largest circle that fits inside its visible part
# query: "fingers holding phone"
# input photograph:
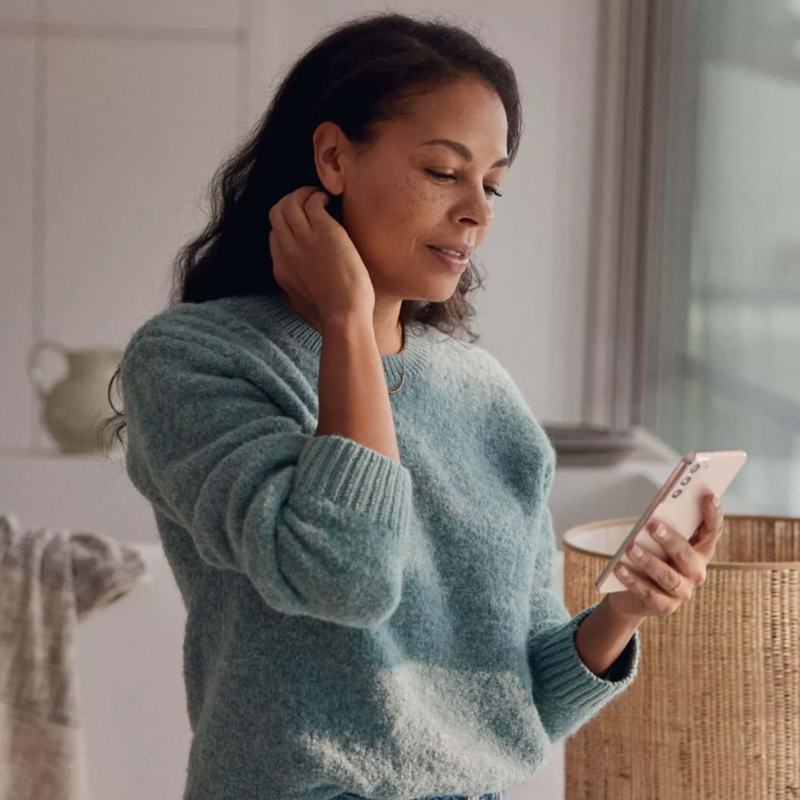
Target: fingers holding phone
(681, 505)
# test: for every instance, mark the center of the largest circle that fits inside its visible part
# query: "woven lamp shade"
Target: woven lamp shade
(714, 711)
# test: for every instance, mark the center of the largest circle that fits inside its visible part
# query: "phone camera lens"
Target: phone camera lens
(677, 492)
(695, 468)
(685, 481)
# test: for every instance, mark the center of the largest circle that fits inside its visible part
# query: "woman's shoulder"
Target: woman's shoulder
(482, 364)
(213, 323)
(507, 399)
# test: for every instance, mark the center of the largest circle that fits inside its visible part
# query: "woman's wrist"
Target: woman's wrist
(602, 637)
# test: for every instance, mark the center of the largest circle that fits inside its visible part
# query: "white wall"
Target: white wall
(116, 114)
(114, 120)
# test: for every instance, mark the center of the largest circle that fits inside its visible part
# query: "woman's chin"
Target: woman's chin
(443, 292)
(440, 287)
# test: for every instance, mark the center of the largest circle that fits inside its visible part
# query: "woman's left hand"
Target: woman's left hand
(657, 588)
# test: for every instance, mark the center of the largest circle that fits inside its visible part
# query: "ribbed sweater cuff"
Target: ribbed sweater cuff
(353, 476)
(567, 681)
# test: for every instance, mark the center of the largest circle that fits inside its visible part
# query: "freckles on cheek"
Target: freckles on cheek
(403, 210)
(402, 207)
(422, 204)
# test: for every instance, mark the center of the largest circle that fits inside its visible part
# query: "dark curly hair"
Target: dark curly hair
(368, 70)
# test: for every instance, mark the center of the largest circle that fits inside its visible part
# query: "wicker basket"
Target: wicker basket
(714, 711)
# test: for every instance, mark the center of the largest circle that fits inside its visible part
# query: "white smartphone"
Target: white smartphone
(679, 504)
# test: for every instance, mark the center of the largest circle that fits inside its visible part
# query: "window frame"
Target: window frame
(642, 196)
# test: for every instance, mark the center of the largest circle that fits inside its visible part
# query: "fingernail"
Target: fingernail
(716, 502)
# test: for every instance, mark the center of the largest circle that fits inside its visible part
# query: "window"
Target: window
(703, 268)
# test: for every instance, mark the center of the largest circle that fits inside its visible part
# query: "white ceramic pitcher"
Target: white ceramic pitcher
(74, 407)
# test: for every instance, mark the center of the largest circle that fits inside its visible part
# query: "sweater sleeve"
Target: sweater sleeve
(566, 692)
(318, 524)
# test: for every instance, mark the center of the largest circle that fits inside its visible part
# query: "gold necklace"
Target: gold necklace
(403, 345)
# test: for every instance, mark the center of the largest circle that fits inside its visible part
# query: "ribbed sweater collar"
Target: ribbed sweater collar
(417, 345)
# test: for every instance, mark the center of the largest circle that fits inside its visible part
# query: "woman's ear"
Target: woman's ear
(331, 150)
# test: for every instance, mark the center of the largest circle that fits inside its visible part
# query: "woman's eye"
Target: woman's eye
(453, 177)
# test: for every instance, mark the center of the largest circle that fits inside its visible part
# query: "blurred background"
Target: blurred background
(643, 269)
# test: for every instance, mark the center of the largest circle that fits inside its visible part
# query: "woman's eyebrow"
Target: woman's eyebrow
(464, 151)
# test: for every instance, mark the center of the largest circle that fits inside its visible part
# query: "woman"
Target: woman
(353, 501)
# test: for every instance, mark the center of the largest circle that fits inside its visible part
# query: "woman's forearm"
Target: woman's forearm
(602, 636)
(353, 396)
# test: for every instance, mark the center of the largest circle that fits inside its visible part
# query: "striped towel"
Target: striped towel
(49, 580)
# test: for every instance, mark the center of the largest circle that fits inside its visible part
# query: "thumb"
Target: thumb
(318, 201)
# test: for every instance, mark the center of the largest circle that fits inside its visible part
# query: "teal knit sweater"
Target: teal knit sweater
(354, 624)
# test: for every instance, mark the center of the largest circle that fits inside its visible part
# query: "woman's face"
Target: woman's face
(393, 207)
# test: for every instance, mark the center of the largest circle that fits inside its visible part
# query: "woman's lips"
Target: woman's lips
(454, 262)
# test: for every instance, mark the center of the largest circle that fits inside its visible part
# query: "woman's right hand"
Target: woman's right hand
(314, 257)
